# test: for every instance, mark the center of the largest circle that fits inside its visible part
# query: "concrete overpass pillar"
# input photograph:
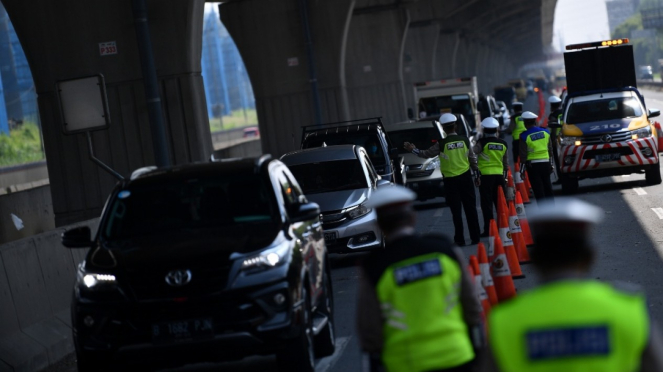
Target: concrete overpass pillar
(447, 56)
(61, 41)
(420, 57)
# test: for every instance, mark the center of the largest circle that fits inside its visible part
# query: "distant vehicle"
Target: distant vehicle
(202, 260)
(423, 176)
(506, 116)
(251, 132)
(340, 179)
(529, 85)
(521, 89)
(457, 95)
(645, 73)
(488, 108)
(368, 133)
(506, 94)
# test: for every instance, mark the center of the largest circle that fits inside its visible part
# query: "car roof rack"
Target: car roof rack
(340, 124)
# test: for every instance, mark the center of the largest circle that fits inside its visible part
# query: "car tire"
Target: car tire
(569, 184)
(653, 175)
(299, 353)
(325, 341)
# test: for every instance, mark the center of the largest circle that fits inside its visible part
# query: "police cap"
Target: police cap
(448, 119)
(490, 123)
(517, 106)
(388, 196)
(528, 115)
(554, 99)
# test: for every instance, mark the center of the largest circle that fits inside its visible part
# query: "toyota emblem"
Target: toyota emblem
(606, 138)
(178, 278)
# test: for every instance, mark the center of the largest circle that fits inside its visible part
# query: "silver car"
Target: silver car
(340, 179)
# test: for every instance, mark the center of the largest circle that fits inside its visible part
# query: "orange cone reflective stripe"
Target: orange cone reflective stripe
(516, 234)
(509, 249)
(483, 296)
(501, 274)
(491, 240)
(486, 277)
(522, 217)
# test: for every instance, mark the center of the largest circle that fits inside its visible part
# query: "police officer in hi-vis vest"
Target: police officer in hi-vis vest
(456, 160)
(572, 323)
(555, 125)
(536, 156)
(516, 127)
(417, 310)
(493, 163)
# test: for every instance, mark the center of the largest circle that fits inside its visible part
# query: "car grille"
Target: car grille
(151, 284)
(415, 166)
(332, 219)
(614, 137)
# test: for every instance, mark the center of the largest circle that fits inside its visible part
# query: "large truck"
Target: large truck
(606, 127)
(458, 96)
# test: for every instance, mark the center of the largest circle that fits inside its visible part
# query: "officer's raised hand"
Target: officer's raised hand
(409, 146)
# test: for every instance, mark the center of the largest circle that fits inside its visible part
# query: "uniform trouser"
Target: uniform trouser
(459, 195)
(539, 178)
(488, 189)
(515, 150)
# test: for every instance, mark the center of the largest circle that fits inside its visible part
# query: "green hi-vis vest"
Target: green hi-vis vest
(491, 156)
(561, 122)
(537, 145)
(519, 129)
(570, 326)
(453, 156)
(422, 337)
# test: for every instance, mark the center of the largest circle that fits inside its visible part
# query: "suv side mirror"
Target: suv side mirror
(79, 237)
(654, 113)
(410, 113)
(304, 212)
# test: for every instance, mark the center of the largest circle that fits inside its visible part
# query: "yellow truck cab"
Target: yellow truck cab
(606, 127)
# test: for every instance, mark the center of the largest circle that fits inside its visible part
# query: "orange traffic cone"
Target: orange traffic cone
(510, 186)
(486, 278)
(520, 186)
(522, 217)
(528, 185)
(502, 275)
(491, 239)
(517, 235)
(483, 296)
(502, 207)
(509, 249)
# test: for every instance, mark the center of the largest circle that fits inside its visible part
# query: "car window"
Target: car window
(422, 138)
(328, 176)
(196, 203)
(368, 140)
(603, 109)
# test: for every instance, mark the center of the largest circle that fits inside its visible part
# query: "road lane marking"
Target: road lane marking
(326, 364)
(659, 212)
(640, 191)
(438, 213)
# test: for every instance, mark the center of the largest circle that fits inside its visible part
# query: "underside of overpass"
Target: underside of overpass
(366, 55)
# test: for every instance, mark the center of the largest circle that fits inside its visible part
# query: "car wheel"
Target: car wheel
(325, 341)
(653, 175)
(569, 184)
(299, 353)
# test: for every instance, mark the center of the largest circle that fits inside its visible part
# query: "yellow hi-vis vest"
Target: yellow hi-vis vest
(453, 156)
(519, 128)
(419, 338)
(537, 144)
(491, 157)
(570, 326)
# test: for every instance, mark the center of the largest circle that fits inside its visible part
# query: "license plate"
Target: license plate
(183, 330)
(330, 237)
(608, 157)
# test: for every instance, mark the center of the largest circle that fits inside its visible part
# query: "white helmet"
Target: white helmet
(529, 115)
(566, 210)
(554, 99)
(388, 195)
(446, 119)
(490, 123)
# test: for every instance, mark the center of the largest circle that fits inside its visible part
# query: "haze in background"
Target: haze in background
(579, 21)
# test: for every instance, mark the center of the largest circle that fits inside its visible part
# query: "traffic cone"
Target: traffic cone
(501, 274)
(502, 207)
(528, 185)
(483, 296)
(491, 239)
(509, 249)
(517, 235)
(486, 278)
(522, 217)
(510, 186)
(520, 185)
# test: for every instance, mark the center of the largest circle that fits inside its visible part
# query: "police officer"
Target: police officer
(572, 323)
(554, 124)
(536, 153)
(456, 159)
(416, 306)
(516, 127)
(493, 165)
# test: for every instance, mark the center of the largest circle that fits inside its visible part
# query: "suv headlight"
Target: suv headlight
(433, 164)
(268, 258)
(570, 141)
(94, 281)
(358, 211)
(641, 133)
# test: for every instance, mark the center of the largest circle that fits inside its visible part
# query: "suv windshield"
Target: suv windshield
(224, 201)
(603, 109)
(422, 138)
(367, 140)
(337, 175)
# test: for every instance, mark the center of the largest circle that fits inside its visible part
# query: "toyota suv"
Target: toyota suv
(203, 262)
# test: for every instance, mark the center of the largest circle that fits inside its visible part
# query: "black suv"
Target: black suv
(368, 133)
(203, 262)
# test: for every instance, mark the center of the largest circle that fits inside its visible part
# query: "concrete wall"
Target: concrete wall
(36, 280)
(33, 206)
(22, 174)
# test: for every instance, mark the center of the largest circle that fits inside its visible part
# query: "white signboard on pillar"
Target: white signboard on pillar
(83, 104)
